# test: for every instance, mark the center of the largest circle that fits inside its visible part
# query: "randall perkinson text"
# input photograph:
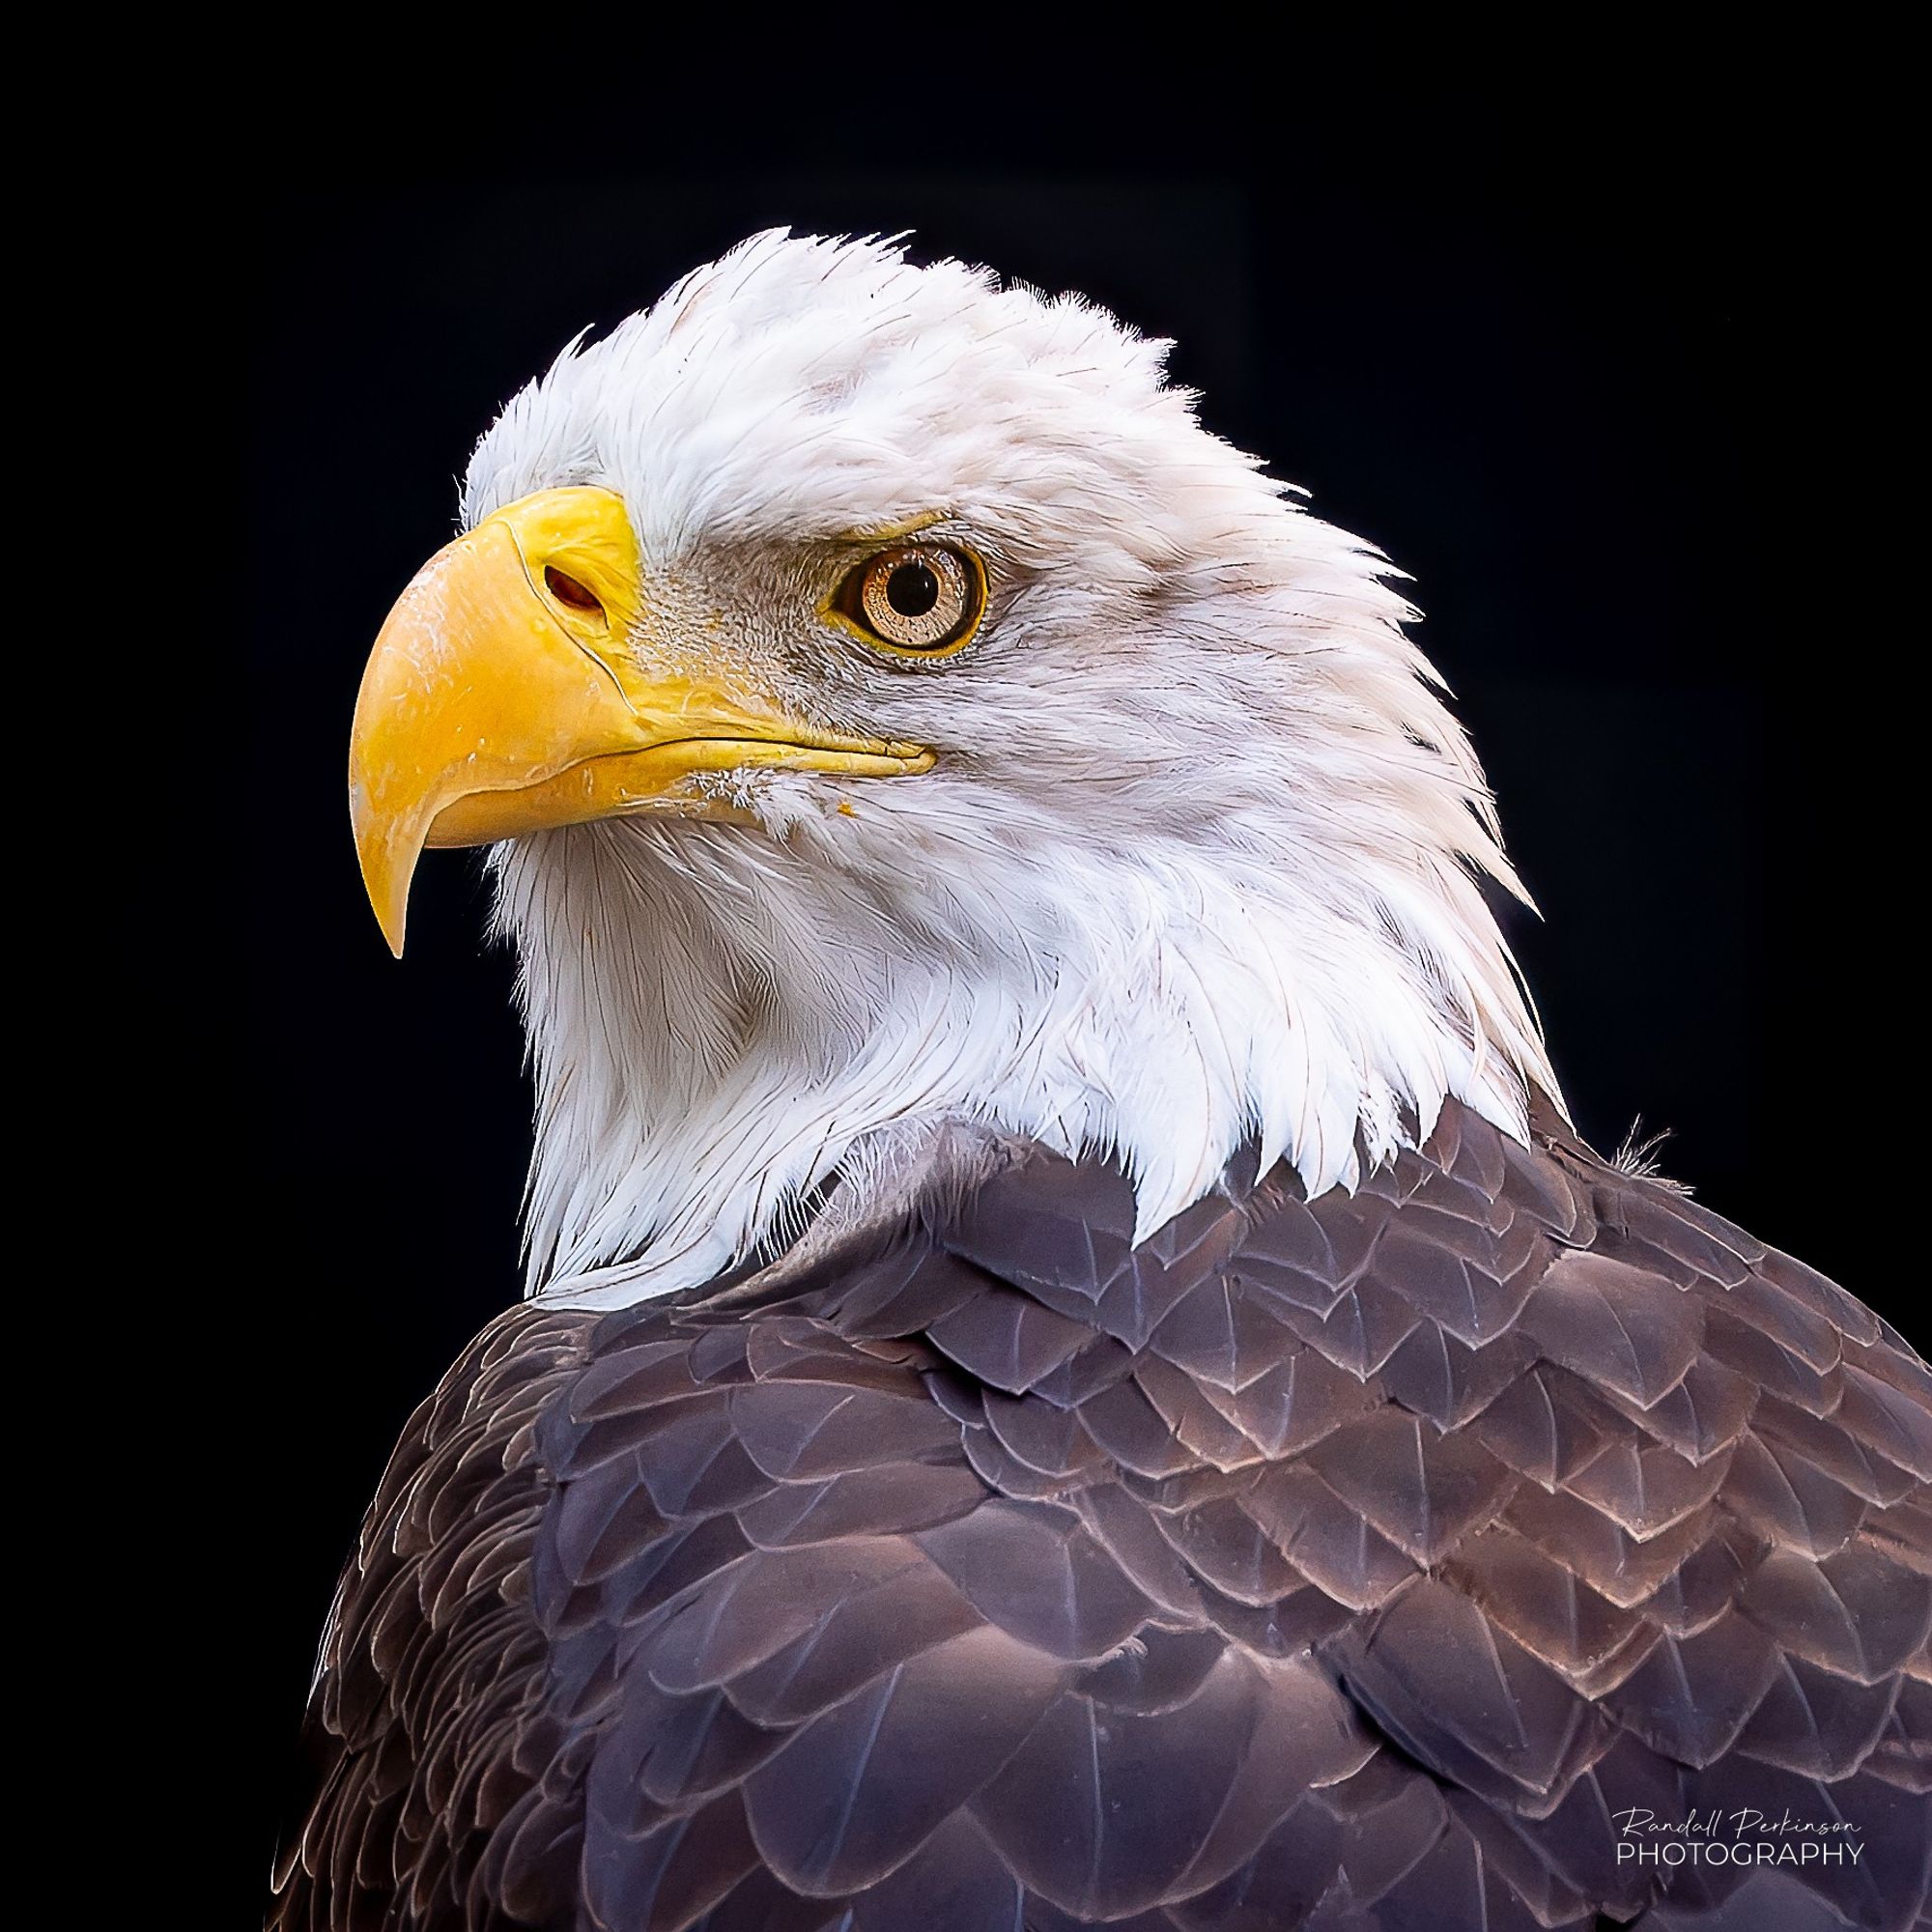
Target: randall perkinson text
(1744, 1838)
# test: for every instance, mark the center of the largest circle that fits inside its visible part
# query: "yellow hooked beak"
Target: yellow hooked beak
(503, 696)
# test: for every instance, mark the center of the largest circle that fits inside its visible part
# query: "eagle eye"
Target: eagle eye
(918, 598)
(571, 593)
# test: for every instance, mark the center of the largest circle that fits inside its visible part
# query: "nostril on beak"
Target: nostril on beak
(570, 592)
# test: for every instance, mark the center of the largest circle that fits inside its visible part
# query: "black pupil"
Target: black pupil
(912, 590)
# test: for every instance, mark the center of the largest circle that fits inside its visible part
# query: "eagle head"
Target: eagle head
(899, 725)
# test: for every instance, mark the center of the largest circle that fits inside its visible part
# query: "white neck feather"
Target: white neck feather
(721, 1018)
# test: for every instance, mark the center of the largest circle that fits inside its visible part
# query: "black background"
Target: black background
(1576, 376)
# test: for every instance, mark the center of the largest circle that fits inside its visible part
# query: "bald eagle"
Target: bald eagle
(1076, 1371)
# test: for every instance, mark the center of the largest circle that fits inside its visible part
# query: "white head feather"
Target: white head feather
(1199, 862)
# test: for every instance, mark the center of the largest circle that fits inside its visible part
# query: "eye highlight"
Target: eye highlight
(920, 599)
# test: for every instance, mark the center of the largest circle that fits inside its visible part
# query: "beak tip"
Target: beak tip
(392, 912)
(387, 886)
(387, 854)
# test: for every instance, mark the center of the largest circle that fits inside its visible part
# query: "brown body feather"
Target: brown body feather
(1338, 1564)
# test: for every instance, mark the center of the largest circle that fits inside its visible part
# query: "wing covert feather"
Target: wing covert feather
(1338, 1564)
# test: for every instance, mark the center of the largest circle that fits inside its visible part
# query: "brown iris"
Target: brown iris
(920, 598)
